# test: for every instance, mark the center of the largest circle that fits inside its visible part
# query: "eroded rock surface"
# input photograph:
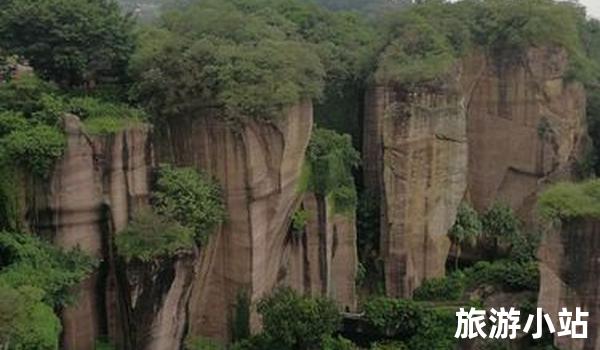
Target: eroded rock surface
(322, 259)
(569, 269)
(416, 156)
(258, 165)
(525, 125)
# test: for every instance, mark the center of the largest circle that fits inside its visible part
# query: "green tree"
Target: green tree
(297, 322)
(190, 198)
(465, 230)
(69, 41)
(500, 224)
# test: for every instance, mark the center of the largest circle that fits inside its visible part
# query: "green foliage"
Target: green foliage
(506, 275)
(233, 54)
(199, 343)
(29, 262)
(149, 236)
(94, 43)
(391, 345)
(35, 148)
(425, 40)
(393, 318)
(190, 198)
(419, 54)
(25, 321)
(441, 289)
(568, 201)
(418, 327)
(339, 343)
(292, 321)
(500, 222)
(12, 121)
(467, 227)
(299, 220)
(331, 159)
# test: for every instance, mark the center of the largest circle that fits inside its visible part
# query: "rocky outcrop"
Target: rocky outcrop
(322, 259)
(93, 191)
(516, 119)
(569, 278)
(416, 156)
(258, 165)
(525, 125)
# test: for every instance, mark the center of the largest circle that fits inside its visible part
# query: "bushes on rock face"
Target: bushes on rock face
(567, 201)
(331, 158)
(186, 208)
(189, 198)
(35, 277)
(149, 236)
(412, 325)
(297, 322)
(441, 289)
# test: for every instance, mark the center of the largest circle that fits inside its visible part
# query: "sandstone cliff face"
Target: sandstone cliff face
(258, 166)
(324, 262)
(94, 189)
(514, 117)
(525, 125)
(416, 154)
(569, 278)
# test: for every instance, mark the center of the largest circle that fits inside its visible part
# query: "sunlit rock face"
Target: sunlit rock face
(525, 126)
(322, 258)
(258, 165)
(94, 189)
(497, 129)
(569, 267)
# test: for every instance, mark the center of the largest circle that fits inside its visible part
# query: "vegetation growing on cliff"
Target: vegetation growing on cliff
(568, 201)
(35, 277)
(331, 159)
(246, 58)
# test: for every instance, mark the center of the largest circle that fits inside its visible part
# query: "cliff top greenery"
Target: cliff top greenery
(425, 40)
(247, 58)
(567, 201)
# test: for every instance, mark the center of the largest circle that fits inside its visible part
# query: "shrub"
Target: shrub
(297, 322)
(331, 158)
(12, 121)
(25, 321)
(149, 236)
(339, 343)
(507, 275)
(393, 318)
(568, 201)
(94, 43)
(35, 148)
(198, 343)
(24, 94)
(190, 198)
(29, 262)
(466, 229)
(500, 223)
(299, 220)
(441, 289)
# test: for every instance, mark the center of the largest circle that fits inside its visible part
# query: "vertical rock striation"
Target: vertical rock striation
(322, 260)
(415, 157)
(569, 278)
(258, 165)
(525, 125)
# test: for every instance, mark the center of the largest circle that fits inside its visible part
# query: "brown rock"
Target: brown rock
(415, 153)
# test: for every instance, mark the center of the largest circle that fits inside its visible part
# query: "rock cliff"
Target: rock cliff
(324, 263)
(525, 125)
(258, 166)
(569, 278)
(416, 158)
(501, 127)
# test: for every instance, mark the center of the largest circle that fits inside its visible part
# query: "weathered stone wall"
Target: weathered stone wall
(322, 259)
(569, 268)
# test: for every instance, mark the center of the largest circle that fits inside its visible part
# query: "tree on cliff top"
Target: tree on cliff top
(72, 42)
(246, 58)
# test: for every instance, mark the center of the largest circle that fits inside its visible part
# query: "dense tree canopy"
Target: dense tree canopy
(69, 41)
